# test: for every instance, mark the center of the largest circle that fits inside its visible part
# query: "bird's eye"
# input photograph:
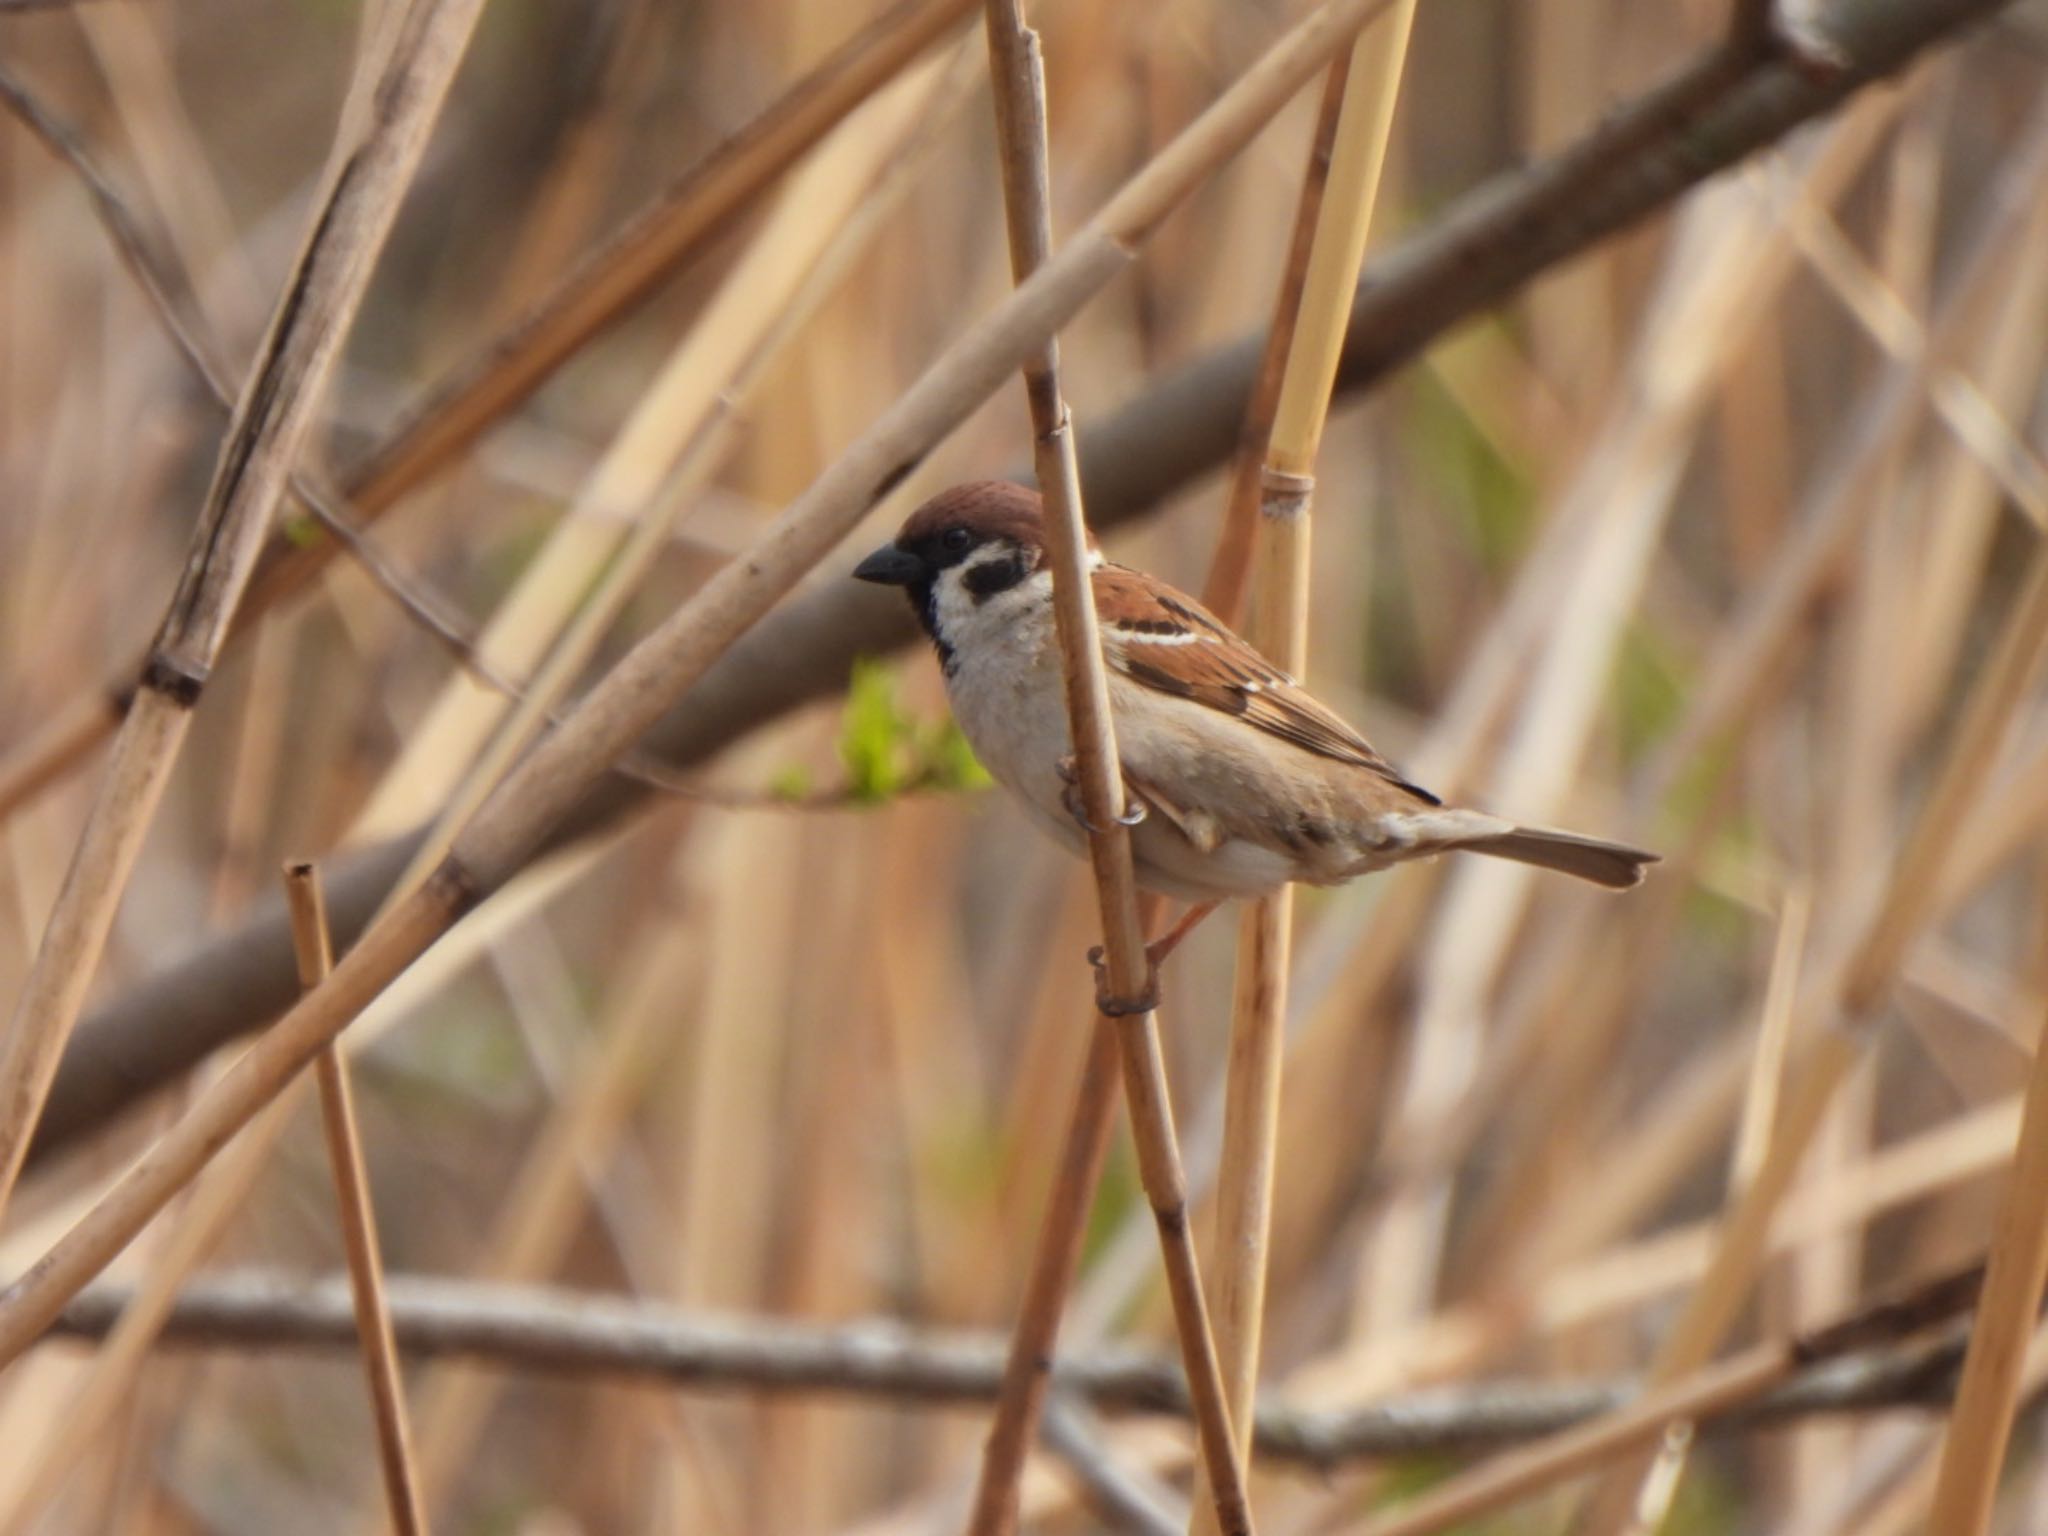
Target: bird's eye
(956, 540)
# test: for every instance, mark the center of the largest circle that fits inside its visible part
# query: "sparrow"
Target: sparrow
(1239, 781)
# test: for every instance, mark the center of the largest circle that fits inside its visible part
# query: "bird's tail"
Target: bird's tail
(1610, 864)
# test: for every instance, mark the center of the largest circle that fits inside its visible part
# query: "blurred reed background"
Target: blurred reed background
(1706, 539)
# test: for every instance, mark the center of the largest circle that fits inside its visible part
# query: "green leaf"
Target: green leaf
(791, 783)
(948, 762)
(872, 732)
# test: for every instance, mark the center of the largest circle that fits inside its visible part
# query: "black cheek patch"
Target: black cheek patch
(986, 580)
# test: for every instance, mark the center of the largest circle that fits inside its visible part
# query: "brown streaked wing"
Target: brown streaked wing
(1168, 641)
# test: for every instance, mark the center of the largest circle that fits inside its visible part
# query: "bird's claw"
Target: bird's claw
(1109, 1002)
(1133, 812)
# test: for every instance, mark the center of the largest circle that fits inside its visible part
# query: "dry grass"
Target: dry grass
(1723, 537)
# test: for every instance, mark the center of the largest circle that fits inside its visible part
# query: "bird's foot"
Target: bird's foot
(1118, 1005)
(1155, 956)
(1070, 797)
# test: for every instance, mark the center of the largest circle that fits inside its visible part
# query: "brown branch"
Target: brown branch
(1707, 117)
(578, 1333)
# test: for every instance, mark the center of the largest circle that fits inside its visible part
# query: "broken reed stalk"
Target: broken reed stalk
(1279, 628)
(314, 951)
(1980, 1427)
(1017, 74)
(377, 151)
(1835, 1024)
(620, 708)
(498, 377)
(1699, 1394)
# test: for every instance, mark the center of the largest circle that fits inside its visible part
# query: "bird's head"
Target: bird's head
(966, 558)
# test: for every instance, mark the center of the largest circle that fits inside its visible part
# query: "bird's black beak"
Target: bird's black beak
(890, 566)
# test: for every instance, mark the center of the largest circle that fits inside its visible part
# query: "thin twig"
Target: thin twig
(1128, 1501)
(1698, 1395)
(376, 154)
(308, 905)
(560, 1331)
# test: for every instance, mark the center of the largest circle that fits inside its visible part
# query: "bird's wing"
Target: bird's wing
(1167, 641)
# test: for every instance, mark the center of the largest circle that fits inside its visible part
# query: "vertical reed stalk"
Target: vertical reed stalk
(1279, 628)
(1017, 71)
(1980, 1427)
(314, 951)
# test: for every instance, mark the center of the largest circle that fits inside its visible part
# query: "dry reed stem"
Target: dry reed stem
(1847, 1003)
(1028, 1365)
(479, 392)
(545, 1198)
(1017, 71)
(633, 695)
(110, 1382)
(1976, 302)
(308, 905)
(1245, 1177)
(1079, 1170)
(569, 595)
(376, 153)
(1229, 578)
(1698, 1394)
(1981, 1426)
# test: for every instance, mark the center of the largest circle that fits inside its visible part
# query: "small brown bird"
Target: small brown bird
(1245, 782)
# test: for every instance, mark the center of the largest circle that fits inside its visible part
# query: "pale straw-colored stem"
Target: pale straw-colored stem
(1836, 1019)
(314, 950)
(1981, 1426)
(1279, 628)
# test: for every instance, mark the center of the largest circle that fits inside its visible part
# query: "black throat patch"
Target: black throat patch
(924, 602)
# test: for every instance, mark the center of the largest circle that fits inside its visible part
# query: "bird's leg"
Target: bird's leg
(1155, 953)
(1190, 920)
(1070, 796)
